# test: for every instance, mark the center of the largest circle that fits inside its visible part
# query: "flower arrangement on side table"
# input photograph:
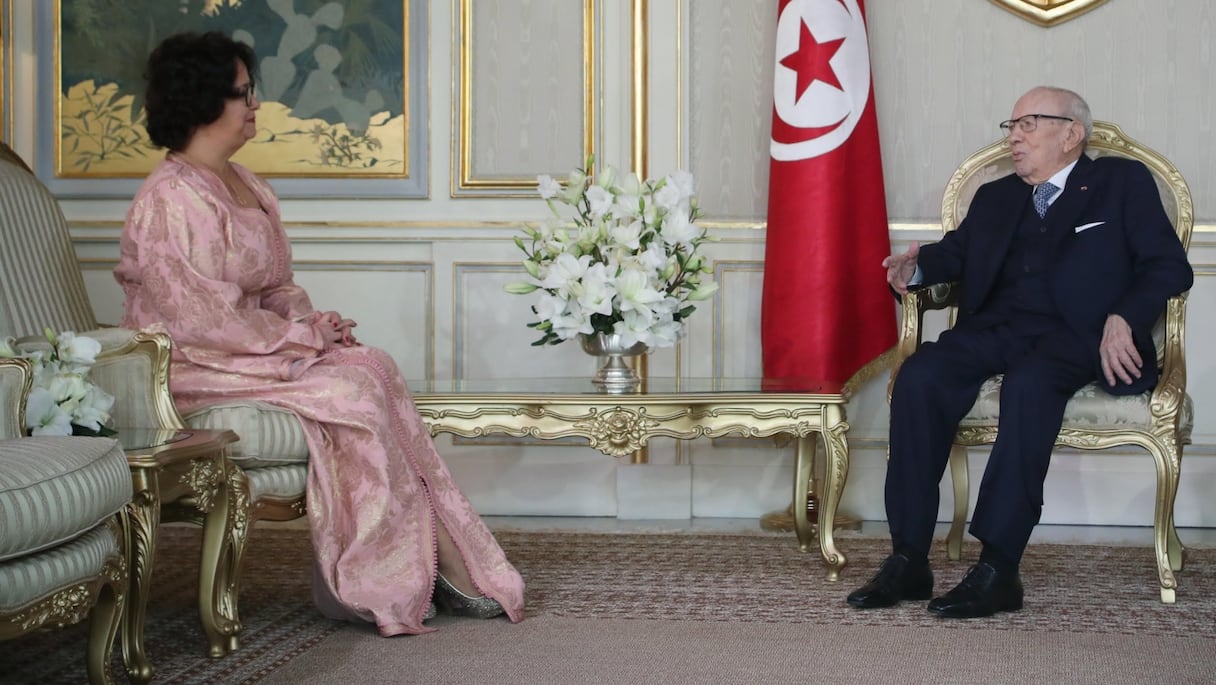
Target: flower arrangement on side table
(63, 401)
(625, 264)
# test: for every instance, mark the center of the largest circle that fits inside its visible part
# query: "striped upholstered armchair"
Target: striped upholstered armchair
(60, 564)
(41, 285)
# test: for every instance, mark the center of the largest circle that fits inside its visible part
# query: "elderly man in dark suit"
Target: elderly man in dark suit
(1064, 265)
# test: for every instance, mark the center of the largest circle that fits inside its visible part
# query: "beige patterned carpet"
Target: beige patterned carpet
(736, 598)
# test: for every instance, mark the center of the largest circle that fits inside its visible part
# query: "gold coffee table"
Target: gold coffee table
(621, 424)
(167, 465)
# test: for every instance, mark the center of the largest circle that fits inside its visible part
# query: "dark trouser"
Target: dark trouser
(936, 387)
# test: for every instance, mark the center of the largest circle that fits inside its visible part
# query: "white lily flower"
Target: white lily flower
(654, 259)
(67, 387)
(547, 187)
(598, 291)
(667, 198)
(43, 416)
(682, 181)
(628, 184)
(665, 332)
(634, 327)
(565, 272)
(599, 200)
(78, 350)
(636, 291)
(678, 230)
(549, 306)
(626, 235)
(627, 206)
(569, 325)
(94, 409)
(575, 185)
(607, 176)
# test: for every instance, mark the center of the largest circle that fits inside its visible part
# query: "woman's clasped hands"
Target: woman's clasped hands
(335, 331)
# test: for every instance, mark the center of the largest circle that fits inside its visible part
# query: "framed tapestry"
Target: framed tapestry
(342, 87)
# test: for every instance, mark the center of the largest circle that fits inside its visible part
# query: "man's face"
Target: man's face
(1050, 146)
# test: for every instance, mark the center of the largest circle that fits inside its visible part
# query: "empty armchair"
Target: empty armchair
(62, 546)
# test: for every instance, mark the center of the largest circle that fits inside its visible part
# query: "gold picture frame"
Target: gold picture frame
(465, 179)
(1048, 12)
(341, 88)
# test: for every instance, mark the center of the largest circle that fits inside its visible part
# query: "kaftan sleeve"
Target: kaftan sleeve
(288, 300)
(179, 237)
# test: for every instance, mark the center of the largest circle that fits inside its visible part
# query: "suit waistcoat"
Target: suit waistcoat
(1021, 295)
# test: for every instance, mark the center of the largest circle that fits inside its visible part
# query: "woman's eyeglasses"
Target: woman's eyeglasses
(245, 92)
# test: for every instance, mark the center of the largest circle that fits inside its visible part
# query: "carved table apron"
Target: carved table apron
(621, 424)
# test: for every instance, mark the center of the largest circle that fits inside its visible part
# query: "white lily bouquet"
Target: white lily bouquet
(63, 401)
(626, 263)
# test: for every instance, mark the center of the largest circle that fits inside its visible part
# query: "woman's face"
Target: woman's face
(238, 122)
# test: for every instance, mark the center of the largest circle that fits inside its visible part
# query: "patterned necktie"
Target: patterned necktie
(1041, 194)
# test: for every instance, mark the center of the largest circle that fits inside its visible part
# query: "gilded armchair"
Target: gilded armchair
(60, 564)
(41, 285)
(1159, 421)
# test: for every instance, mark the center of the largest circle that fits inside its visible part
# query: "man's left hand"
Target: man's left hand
(1120, 359)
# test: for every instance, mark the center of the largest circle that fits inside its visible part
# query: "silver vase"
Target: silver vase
(617, 374)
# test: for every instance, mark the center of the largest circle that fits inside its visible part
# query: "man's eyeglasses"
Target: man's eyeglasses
(1029, 122)
(246, 92)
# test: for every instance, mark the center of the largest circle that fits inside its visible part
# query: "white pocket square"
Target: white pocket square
(1086, 227)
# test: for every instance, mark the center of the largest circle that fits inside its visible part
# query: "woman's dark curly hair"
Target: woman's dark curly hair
(190, 79)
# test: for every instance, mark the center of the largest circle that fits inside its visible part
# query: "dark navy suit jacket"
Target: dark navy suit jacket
(1115, 253)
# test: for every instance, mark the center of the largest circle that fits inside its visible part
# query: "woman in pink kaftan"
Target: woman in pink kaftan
(204, 257)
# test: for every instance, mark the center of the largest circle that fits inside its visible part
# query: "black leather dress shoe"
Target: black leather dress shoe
(897, 579)
(983, 592)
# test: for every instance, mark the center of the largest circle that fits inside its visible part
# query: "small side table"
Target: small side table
(167, 465)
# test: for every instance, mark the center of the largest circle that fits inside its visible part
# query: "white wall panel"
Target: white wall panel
(392, 303)
(730, 73)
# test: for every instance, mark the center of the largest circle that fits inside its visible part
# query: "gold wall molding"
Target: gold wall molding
(465, 181)
(6, 64)
(1048, 12)
(640, 87)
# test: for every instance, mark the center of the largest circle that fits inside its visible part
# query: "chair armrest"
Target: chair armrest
(1170, 393)
(16, 377)
(134, 368)
(914, 304)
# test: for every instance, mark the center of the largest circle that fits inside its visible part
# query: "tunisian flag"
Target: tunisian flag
(826, 309)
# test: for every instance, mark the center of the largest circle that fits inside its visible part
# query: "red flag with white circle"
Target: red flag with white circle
(826, 308)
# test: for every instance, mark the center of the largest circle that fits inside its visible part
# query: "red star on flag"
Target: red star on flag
(812, 61)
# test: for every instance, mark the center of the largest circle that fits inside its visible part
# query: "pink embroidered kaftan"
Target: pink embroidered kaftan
(217, 277)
